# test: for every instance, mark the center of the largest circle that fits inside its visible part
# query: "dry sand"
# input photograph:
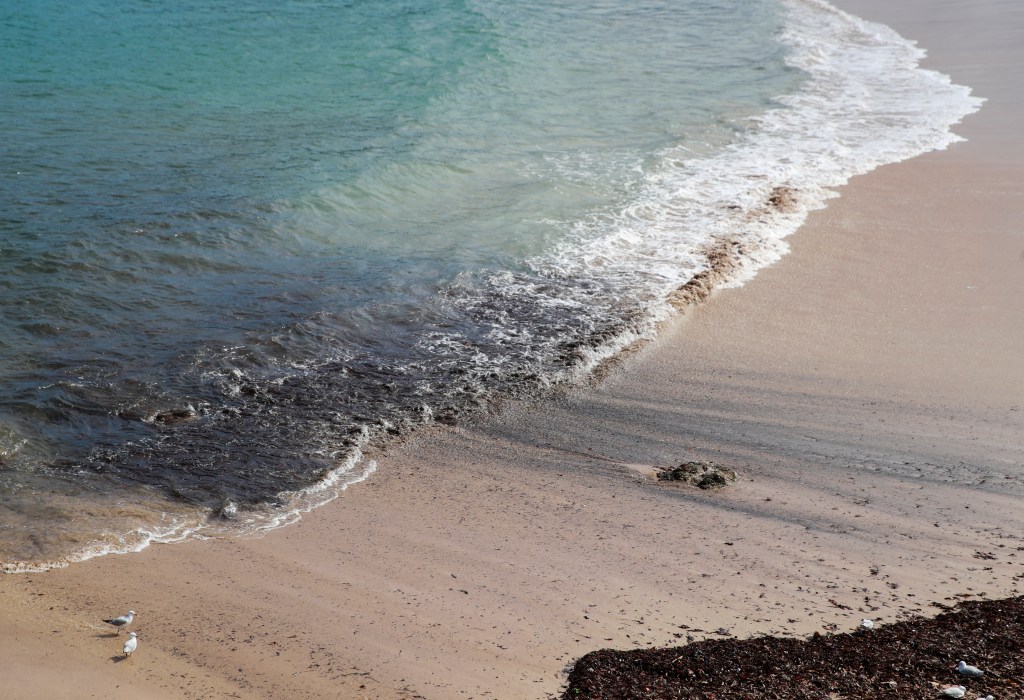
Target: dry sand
(868, 388)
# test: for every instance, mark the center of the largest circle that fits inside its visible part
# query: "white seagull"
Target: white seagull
(867, 624)
(122, 621)
(965, 669)
(954, 691)
(132, 643)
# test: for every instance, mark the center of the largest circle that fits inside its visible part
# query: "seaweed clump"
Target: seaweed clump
(912, 659)
(703, 475)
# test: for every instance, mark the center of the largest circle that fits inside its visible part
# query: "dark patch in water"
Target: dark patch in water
(256, 435)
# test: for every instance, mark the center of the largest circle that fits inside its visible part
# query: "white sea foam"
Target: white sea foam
(865, 103)
(175, 529)
(205, 524)
(351, 471)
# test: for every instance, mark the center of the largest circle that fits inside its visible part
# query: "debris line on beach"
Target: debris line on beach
(912, 659)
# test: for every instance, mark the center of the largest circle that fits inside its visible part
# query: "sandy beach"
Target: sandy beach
(868, 389)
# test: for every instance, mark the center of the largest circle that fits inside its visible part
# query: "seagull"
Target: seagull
(131, 644)
(954, 691)
(867, 624)
(965, 669)
(122, 621)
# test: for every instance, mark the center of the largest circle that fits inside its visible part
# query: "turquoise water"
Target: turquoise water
(238, 241)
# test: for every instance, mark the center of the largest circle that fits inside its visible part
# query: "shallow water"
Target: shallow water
(238, 243)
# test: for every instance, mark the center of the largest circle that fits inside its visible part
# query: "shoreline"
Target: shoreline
(748, 239)
(867, 390)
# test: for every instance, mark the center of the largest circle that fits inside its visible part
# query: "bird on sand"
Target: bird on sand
(867, 624)
(965, 669)
(122, 621)
(132, 643)
(954, 691)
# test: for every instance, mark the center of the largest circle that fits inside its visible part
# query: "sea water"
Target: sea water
(241, 241)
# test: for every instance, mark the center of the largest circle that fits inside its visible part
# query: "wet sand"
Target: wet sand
(868, 389)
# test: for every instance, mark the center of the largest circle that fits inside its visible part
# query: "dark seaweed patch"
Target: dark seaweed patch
(911, 660)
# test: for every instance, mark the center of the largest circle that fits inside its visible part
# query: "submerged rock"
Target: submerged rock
(704, 475)
(177, 415)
